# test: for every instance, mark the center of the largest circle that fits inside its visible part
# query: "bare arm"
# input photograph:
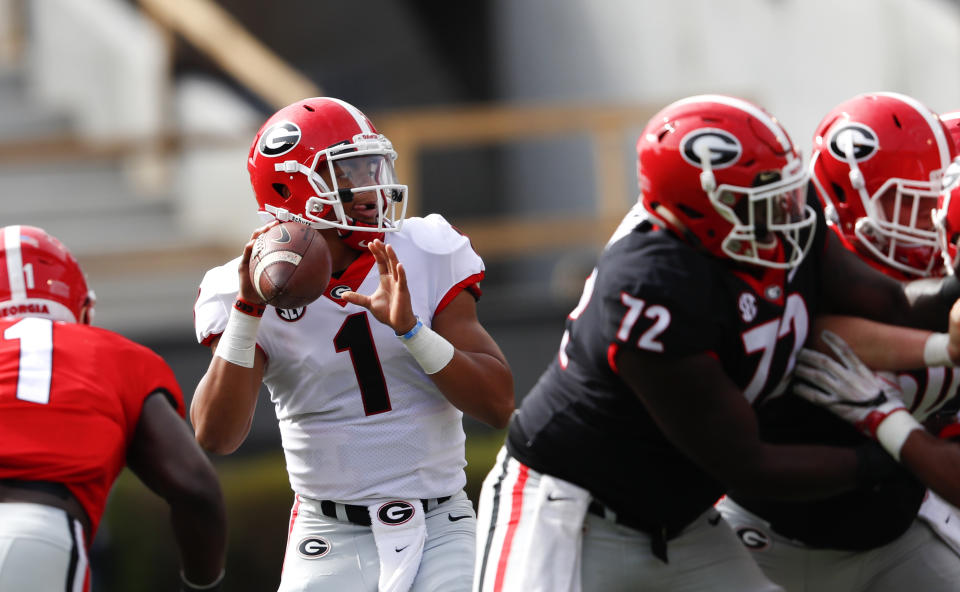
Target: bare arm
(226, 397)
(477, 380)
(224, 402)
(935, 462)
(886, 347)
(880, 346)
(164, 455)
(707, 417)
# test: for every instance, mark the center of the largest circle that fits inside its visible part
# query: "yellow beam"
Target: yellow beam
(221, 37)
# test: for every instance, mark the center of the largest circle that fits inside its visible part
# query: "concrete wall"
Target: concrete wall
(798, 58)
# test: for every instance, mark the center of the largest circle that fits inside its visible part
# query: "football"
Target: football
(290, 265)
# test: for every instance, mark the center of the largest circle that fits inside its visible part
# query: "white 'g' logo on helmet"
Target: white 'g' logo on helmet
(855, 139)
(279, 138)
(722, 146)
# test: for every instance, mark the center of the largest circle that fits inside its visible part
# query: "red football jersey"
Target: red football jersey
(70, 399)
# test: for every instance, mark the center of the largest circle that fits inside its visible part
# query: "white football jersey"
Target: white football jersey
(359, 419)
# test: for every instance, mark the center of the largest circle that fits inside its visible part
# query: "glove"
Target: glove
(847, 388)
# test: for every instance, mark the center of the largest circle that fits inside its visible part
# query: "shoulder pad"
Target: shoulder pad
(433, 234)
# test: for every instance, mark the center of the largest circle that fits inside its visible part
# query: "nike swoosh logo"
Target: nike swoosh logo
(398, 549)
(284, 236)
(453, 518)
(551, 498)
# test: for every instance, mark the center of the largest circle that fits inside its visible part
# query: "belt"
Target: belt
(47, 493)
(360, 515)
(659, 533)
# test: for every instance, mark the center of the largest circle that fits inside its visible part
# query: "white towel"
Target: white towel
(943, 518)
(399, 530)
(553, 547)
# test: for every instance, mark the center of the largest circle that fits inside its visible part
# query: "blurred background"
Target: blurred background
(124, 128)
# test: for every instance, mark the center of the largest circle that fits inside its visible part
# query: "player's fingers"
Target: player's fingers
(811, 357)
(844, 353)
(264, 228)
(812, 394)
(401, 277)
(392, 261)
(356, 298)
(376, 249)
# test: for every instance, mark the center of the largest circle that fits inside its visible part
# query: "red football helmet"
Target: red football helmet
(312, 157)
(881, 162)
(722, 172)
(947, 217)
(40, 278)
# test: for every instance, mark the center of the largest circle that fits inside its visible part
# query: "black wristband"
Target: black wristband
(874, 465)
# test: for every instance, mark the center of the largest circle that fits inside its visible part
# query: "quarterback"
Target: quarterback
(370, 381)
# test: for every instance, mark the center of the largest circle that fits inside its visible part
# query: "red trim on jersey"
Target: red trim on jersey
(294, 512)
(612, 350)
(471, 284)
(351, 277)
(515, 510)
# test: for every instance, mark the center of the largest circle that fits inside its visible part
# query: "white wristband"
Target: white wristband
(935, 350)
(893, 431)
(238, 344)
(428, 348)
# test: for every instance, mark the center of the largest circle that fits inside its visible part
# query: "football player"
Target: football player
(880, 164)
(77, 404)
(370, 381)
(691, 319)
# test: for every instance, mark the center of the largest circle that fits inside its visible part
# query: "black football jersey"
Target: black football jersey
(653, 292)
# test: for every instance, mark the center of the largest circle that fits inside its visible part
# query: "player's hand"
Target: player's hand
(390, 303)
(847, 388)
(247, 291)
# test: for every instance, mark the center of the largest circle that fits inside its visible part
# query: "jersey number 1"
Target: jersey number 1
(36, 358)
(355, 336)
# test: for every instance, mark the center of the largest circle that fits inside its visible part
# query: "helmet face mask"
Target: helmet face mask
(946, 218)
(365, 179)
(40, 278)
(723, 173)
(321, 162)
(765, 215)
(882, 163)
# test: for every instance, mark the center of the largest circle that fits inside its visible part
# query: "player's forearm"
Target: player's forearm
(795, 473)
(480, 385)
(935, 462)
(223, 405)
(879, 346)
